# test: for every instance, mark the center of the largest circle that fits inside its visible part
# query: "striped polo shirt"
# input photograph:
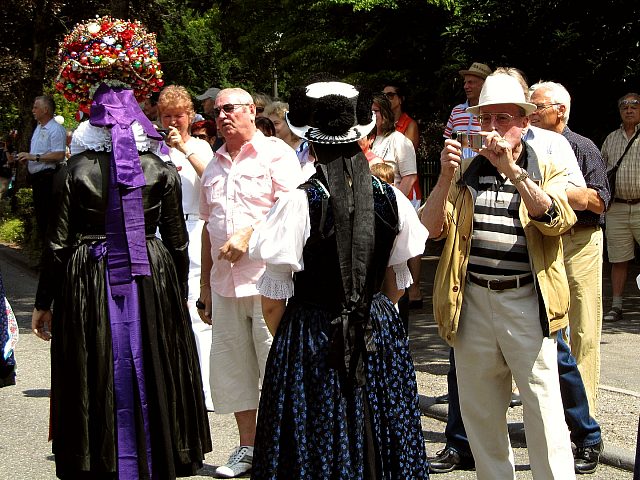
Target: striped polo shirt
(498, 244)
(461, 121)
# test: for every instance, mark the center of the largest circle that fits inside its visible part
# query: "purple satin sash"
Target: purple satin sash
(126, 250)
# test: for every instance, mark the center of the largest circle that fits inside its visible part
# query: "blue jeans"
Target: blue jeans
(584, 429)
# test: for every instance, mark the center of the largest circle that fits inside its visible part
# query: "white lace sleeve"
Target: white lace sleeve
(404, 279)
(279, 242)
(410, 241)
(276, 282)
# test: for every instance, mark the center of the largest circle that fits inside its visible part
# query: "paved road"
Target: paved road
(25, 453)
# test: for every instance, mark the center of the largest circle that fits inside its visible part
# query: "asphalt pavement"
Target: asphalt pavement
(25, 453)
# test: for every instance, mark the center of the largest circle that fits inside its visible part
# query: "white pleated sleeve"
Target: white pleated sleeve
(410, 241)
(279, 241)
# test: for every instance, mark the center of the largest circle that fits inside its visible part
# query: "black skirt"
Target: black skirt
(83, 412)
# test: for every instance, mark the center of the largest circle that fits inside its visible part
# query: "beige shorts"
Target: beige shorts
(239, 350)
(623, 231)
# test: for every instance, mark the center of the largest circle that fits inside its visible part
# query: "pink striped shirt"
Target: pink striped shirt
(239, 193)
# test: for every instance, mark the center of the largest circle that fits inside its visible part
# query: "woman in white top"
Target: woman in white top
(190, 155)
(392, 146)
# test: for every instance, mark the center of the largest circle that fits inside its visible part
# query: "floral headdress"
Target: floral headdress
(111, 51)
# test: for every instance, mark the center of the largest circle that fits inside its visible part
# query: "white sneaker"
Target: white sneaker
(239, 462)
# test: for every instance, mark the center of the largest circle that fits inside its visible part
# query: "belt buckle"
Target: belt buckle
(489, 282)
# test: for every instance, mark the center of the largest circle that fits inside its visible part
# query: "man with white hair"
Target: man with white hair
(48, 147)
(583, 251)
(502, 291)
(246, 176)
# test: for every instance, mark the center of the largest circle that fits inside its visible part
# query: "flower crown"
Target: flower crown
(111, 51)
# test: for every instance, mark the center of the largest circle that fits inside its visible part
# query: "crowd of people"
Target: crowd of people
(260, 259)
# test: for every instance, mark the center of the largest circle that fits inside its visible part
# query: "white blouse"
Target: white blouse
(397, 150)
(280, 239)
(189, 178)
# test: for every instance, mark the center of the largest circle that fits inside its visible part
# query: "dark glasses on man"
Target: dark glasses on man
(228, 108)
(629, 103)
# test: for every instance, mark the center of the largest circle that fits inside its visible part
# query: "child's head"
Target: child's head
(383, 171)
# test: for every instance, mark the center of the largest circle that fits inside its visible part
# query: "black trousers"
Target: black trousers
(42, 188)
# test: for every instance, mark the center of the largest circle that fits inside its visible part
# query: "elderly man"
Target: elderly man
(583, 243)
(502, 292)
(48, 147)
(582, 247)
(623, 227)
(239, 186)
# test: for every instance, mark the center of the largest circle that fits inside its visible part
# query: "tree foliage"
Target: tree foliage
(204, 43)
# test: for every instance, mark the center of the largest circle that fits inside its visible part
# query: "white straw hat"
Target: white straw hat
(502, 89)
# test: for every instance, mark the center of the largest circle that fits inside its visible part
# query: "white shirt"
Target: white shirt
(397, 150)
(188, 175)
(51, 137)
(559, 147)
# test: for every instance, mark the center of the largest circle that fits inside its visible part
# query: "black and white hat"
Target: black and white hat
(330, 113)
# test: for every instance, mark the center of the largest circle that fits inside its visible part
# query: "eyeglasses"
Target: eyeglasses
(629, 103)
(201, 136)
(390, 95)
(501, 119)
(541, 108)
(259, 109)
(228, 108)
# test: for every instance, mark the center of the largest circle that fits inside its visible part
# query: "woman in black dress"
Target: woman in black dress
(126, 393)
(339, 398)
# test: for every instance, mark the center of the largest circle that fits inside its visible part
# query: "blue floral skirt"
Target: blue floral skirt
(309, 427)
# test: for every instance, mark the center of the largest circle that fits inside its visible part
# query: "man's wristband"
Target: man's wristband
(188, 153)
(200, 304)
(37, 157)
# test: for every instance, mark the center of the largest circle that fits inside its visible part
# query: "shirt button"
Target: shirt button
(455, 288)
(464, 238)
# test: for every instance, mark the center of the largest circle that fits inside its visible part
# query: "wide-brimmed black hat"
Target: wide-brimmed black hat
(330, 113)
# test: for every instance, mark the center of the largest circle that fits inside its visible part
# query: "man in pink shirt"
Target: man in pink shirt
(239, 186)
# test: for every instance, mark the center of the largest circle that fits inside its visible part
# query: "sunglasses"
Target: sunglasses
(259, 109)
(228, 108)
(201, 136)
(501, 119)
(390, 95)
(629, 103)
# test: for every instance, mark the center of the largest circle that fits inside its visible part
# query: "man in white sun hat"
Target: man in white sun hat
(501, 301)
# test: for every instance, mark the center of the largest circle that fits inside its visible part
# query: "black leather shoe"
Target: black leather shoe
(442, 398)
(585, 460)
(448, 460)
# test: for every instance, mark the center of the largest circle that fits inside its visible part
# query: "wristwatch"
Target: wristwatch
(37, 157)
(200, 304)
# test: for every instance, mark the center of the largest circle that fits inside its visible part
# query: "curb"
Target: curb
(612, 455)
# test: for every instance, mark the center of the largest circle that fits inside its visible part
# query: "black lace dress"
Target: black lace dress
(83, 425)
